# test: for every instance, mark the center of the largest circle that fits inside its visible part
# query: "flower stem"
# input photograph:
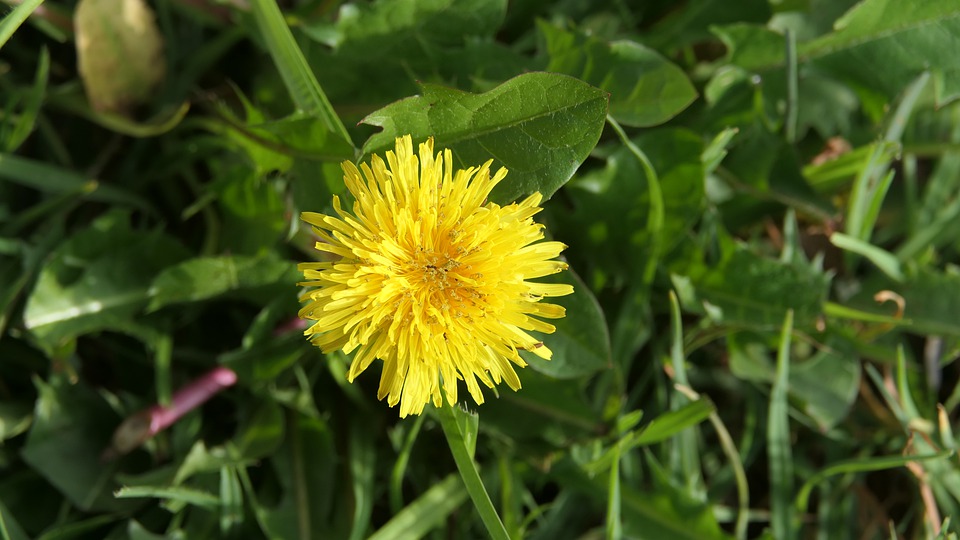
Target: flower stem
(470, 475)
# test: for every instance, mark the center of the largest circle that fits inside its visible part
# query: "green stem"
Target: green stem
(655, 217)
(792, 88)
(470, 475)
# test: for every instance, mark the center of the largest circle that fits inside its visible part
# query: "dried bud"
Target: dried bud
(119, 52)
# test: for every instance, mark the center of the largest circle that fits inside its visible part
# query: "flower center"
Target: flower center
(436, 271)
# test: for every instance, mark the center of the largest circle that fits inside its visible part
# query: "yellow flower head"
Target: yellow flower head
(430, 278)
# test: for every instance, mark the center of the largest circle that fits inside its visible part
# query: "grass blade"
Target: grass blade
(15, 18)
(614, 522)
(50, 179)
(782, 517)
(426, 512)
(859, 465)
(302, 84)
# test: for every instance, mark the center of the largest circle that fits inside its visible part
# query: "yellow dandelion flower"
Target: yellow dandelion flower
(430, 278)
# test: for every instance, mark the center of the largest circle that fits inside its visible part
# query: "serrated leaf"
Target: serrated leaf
(745, 288)
(645, 88)
(540, 126)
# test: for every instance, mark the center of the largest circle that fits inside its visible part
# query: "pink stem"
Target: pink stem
(136, 429)
(190, 397)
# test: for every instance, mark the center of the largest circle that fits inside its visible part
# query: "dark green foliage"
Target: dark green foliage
(764, 333)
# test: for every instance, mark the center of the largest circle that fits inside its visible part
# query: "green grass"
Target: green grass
(760, 201)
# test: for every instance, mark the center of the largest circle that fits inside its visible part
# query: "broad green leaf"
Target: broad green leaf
(823, 102)
(262, 433)
(540, 126)
(581, 344)
(693, 514)
(824, 385)
(751, 46)
(97, 279)
(905, 41)
(305, 136)
(425, 513)
(645, 88)
(683, 27)
(648, 514)
(405, 29)
(206, 277)
(72, 426)
(827, 384)
(543, 407)
(771, 167)
(930, 301)
(370, 76)
(607, 226)
(748, 289)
